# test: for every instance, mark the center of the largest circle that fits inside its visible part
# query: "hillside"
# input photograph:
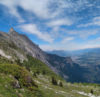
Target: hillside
(27, 71)
(16, 46)
(34, 79)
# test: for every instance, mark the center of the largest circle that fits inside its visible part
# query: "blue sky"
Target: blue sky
(54, 24)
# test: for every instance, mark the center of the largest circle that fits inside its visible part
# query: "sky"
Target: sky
(54, 24)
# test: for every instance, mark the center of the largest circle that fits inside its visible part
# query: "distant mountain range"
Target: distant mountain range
(65, 53)
(83, 57)
(15, 46)
(88, 60)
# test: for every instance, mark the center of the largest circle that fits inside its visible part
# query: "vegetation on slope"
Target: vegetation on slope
(23, 73)
(21, 77)
(45, 84)
(38, 67)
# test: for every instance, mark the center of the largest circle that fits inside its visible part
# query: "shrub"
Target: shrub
(91, 91)
(43, 72)
(34, 74)
(54, 81)
(60, 84)
(18, 62)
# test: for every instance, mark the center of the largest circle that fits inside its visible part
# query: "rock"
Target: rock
(6, 86)
(16, 84)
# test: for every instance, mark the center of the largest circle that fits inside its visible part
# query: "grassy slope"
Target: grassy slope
(43, 77)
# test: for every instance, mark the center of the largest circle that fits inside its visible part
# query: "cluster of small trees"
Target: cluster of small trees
(55, 82)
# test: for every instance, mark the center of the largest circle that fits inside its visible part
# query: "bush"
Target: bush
(34, 74)
(18, 62)
(43, 72)
(54, 81)
(60, 84)
(91, 91)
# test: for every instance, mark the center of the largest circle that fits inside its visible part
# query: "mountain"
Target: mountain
(85, 57)
(69, 70)
(59, 53)
(89, 62)
(27, 71)
(65, 53)
(91, 57)
(17, 47)
(22, 42)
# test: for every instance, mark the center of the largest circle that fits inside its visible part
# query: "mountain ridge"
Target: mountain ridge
(28, 47)
(19, 46)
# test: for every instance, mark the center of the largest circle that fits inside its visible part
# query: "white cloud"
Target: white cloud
(32, 28)
(11, 6)
(60, 22)
(39, 7)
(95, 21)
(50, 47)
(94, 43)
(72, 45)
(67, 39)
(47, 47)
(83, 33)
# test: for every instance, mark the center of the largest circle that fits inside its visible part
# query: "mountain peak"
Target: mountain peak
(12, 31)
